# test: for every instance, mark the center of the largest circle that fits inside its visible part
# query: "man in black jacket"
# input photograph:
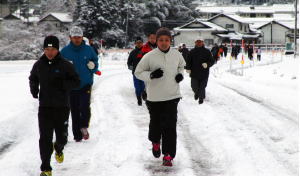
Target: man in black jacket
(134, 58)
(184, 52)
(94, 46)
(215, 52)
(225, 49)
(250, 52)
(199, 61)
(51, 80)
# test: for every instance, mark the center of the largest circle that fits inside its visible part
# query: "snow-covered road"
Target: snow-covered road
(236, 132)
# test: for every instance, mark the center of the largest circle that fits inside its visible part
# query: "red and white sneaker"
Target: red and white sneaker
(167, 161)
(85, 133)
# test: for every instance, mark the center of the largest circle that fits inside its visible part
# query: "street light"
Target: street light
(295, 30)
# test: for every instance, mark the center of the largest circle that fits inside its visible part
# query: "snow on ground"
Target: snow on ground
(248, 125)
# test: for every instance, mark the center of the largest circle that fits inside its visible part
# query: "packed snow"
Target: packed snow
(247, 126)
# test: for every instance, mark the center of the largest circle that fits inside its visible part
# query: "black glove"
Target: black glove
(130, 67)
(156, 74)
(178, 77)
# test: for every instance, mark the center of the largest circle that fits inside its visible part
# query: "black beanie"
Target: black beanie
(51, 41)
(163, 31)
(138, 39)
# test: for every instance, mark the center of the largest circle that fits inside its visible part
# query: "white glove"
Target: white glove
(204, 65)
(188, 71)
(91, 65)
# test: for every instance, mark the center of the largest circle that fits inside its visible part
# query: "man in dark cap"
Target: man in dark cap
(51, 80)
(134, 58)
(199, 61)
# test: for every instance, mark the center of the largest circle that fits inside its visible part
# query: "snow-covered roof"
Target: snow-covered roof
(283, 8)
(283, 16)
(255, 23)
(18, 12)
(288, 24)
(30, 19)
(10, 16)
(63, 17)
(276, 8)
(231, 16)
(214, 26)
(207, 26)
(237, 36)
(231, 36)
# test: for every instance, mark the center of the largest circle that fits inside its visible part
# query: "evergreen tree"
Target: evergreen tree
(122, 20)
(169, 13)
(77, 11)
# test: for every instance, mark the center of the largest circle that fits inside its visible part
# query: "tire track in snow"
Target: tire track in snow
(89, 150)
(200, 155)
(276, 110)
(112, 122)
(11, 133)
(262, 131)
(140, 116)
(5, 146)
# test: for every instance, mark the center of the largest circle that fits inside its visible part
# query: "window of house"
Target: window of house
(229, 26)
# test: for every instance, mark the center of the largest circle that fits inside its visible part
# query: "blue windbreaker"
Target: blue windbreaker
(80, 56)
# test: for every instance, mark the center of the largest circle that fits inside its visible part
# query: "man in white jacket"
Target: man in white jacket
(162, 70)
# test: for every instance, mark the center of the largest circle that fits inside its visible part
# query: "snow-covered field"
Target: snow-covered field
(248, 125)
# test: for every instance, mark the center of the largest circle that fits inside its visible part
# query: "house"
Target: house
(197, 29)
(238, 28)
(231, 22)
(278, 32)
(11, 17)
(247, 11)
(238, 37)
(218, 29)
(17, 16)
(61, 21)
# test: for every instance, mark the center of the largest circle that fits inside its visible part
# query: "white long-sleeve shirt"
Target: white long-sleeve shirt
(164, 88)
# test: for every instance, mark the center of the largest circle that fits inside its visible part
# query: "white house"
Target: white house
(246, 10)
(238, 28)
(17, 16)
(61, 21)
(197, 29)
(278, 32)
(231, 22)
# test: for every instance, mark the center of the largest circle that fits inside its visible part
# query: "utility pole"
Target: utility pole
(1, 5)
(126, 38)
(295, 30)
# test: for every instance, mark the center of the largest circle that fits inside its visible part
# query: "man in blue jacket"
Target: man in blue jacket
(85, 62)
(134, 58)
